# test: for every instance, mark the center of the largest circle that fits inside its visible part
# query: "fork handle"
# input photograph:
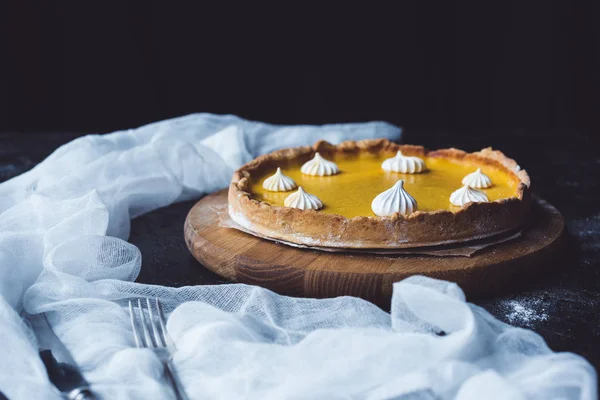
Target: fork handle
(175, 382)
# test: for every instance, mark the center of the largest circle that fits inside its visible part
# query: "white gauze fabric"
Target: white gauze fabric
(63, 256)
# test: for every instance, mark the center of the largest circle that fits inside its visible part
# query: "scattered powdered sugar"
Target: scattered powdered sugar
(519, 312)
(538, 308)
(526, 310)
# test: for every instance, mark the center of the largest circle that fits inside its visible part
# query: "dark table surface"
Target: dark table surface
(563, 306)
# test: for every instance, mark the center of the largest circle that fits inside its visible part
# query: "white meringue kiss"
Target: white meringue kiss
(394, 200)
(302, 200)
(278, 182)
(403, 164)
(477, 180)
(319, 166)
(466, 195)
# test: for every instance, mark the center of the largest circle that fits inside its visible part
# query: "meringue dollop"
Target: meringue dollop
(278, 182)
(394, 200)
(466, 195)
(319, 166)
(403, 164)
(302, 200)
(477, 180)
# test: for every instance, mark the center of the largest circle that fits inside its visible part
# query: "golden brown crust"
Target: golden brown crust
(421, 228)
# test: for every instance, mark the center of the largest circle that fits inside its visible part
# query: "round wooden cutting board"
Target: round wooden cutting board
(241, 257)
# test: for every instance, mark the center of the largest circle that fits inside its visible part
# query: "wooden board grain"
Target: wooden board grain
(241, 257)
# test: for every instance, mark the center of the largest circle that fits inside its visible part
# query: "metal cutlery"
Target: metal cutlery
(66, 378)
(158, 341)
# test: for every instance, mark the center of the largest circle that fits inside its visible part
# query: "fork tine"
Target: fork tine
(157, 338)
(136, 334)
(147, 337)
(163, 329)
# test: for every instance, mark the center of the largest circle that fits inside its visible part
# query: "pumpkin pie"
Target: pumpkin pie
(375, 194)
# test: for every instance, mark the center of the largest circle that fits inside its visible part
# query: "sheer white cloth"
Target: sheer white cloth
(63, 255)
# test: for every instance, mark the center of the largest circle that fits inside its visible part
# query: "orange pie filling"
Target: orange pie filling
(361, 178)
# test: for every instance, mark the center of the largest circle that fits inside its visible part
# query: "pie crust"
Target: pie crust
(421, 228)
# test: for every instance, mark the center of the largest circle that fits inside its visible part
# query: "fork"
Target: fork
(160, 342)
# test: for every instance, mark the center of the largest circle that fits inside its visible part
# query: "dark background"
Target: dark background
(521, 76)
(463, 68)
